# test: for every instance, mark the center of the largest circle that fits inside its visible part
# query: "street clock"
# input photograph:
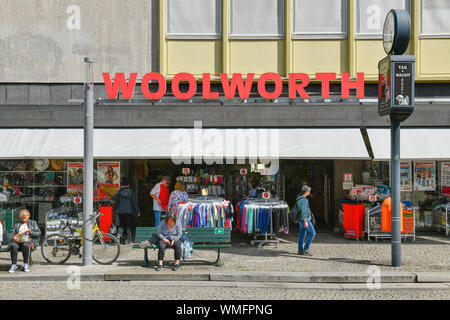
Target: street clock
(396, 31)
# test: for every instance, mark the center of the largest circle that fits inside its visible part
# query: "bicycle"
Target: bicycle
(58, 247)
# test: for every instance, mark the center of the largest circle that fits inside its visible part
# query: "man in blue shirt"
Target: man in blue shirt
(305, 222)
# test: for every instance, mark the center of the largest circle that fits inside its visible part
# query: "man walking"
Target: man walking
(305, 223)
(160, 194)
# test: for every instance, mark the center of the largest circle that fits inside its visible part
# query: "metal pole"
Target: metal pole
(395, 193)
(88, 185)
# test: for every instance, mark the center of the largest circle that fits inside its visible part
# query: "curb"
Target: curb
(167, 275)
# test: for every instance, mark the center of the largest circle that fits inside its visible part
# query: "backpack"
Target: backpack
(294, 213)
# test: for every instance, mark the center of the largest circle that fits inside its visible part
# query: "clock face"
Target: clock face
(388, 32)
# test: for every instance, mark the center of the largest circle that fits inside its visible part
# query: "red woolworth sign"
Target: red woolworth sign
(230, 86)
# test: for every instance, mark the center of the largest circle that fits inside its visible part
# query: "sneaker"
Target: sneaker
(13, 268)
(145, 244)
(300, 253)
(307, 253)
(159, 267)
(177, 267)
(127, 242)
(26, 268)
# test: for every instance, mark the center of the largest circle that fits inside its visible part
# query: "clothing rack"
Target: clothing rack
(224, 207)
(269, 236)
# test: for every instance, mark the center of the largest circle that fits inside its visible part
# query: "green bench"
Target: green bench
(202, 238)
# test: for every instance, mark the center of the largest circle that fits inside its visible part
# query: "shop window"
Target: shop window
(193, 19)
(370, 15)
(434, 18)
(319, 19)
(256, 19)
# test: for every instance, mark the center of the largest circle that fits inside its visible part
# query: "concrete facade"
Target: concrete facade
(20, 114)
(46, 41)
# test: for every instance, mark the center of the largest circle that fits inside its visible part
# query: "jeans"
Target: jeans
(157, 218)
(301, 237)
(24, 247)
(163, 246)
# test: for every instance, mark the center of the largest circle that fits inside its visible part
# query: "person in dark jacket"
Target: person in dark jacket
(304, 222)
(24, 236)
(125, 205)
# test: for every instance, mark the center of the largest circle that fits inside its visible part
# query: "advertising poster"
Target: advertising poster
(108, 175)
(445, 174)
(405, 176)
(425, 176)
(75, 176)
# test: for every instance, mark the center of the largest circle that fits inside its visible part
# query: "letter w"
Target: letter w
(112, 90)
(229, 89)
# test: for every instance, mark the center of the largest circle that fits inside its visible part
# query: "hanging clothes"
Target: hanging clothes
(261, 217)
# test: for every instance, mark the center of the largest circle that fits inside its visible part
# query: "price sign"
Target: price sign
(77, 200)
(243, 172)
(372, 198)
(186, 170)
(219, 231)
(266, 195)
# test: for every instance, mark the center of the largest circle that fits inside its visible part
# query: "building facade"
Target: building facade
(42, 76)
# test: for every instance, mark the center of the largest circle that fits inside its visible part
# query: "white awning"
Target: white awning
(415, 144)
(185, 143)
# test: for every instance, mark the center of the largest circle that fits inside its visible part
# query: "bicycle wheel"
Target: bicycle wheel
(105, 248)
(56, 248)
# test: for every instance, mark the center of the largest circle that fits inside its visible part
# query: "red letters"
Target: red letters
(347, 85)
(230, 87)
(236, 81)
(207, 94)
(262, 85)
(161, 86)
(300, 88)
(325, 78)
(120, 81)
(176, 85)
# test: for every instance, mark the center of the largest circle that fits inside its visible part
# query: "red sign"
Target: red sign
(77, 200)
(243, 172)
(186, 170)
(348, 177)
(266, 195)
(297, 82)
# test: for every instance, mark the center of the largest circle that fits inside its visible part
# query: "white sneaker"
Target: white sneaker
(13, 268)
(26, 268)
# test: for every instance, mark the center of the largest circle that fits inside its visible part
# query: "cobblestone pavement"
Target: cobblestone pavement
(149, 291)
(331, 253)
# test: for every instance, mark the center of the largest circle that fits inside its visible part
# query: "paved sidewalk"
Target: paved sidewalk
(334, 260)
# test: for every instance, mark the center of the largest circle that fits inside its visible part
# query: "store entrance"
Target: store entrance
(318, 175)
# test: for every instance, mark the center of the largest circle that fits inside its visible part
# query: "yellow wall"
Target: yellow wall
(287, 55)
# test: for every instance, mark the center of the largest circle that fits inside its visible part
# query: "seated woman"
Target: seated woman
(169, 233)
(23, 237)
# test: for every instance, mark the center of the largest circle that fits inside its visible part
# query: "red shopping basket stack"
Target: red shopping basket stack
(354, 220)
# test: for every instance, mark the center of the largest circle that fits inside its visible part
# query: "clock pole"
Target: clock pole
(396, 99)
